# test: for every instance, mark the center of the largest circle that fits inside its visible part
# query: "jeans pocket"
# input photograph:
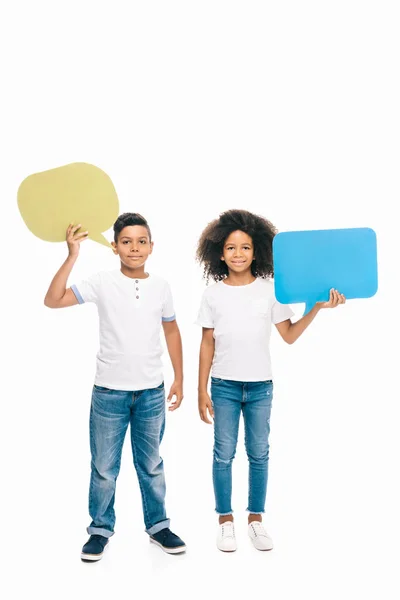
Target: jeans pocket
(102, 390)
(269, 390)
(216, 381)
(158, 388)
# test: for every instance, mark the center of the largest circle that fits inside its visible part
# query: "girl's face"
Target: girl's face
(238, 252)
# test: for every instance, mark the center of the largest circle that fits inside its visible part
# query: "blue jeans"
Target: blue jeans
(254, 400)
(110, 414)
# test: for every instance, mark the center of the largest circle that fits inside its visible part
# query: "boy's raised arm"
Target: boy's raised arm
(57, 295)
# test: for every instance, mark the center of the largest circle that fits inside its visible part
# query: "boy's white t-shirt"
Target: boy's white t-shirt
(130, 316)
(241, 317)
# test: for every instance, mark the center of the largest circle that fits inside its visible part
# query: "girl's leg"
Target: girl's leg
(226, 398)
(256, 412)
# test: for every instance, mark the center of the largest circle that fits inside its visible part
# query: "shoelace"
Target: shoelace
(258, 529)
(165, 533)
(231, 530)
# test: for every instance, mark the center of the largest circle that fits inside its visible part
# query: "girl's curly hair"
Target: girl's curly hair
(212, 240)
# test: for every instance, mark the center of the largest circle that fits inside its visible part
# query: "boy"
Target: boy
(129, 384)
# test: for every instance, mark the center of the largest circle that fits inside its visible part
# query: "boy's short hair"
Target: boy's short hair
(212, 240)
(127, 219)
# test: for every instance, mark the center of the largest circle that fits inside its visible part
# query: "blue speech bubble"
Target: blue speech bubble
(307, 264)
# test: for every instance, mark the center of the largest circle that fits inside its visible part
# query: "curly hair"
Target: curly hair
(212, 240)
(127, 219)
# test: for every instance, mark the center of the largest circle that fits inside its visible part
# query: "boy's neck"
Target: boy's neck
(239, 278)
(138, 273)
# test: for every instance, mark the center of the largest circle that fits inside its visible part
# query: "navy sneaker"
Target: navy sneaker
(94, 548)
(168, 541)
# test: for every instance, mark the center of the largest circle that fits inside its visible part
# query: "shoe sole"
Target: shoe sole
(92, 557)
(177, 550)
(228, 551)
(261, 549)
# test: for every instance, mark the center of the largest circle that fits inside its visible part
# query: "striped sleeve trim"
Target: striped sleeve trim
(167, 319)
(77, 294)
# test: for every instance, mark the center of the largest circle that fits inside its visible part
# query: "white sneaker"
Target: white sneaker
(226, 540)
(260, 538)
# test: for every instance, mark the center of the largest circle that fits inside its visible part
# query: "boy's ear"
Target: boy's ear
(114, 247)
(151, 247)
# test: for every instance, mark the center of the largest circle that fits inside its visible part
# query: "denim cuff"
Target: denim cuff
(254, 512)
(224, 514)
(99, 531)
(158, 526)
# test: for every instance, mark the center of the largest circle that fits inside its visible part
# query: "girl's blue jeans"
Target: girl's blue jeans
(254, 400)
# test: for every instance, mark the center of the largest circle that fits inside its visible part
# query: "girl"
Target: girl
(236, 315)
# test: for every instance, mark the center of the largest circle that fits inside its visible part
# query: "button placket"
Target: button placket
(137, 288)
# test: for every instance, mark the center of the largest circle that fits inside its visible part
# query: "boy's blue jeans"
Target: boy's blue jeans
(254, 400)
(110, 414)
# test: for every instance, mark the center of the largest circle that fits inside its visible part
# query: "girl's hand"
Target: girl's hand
(335, 298)
(176, 390)
(204, 406)
(74, 239)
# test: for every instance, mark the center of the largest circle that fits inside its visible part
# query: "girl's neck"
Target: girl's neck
(239, 278)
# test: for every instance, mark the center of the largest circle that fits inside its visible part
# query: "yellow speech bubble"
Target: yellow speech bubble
(76, 193)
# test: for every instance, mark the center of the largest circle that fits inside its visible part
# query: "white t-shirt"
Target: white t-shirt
(241, 317)
(130, 316)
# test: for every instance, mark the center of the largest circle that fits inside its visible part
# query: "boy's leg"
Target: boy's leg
(109, 419)
(147, 430)
(226, 398)
(256, 412)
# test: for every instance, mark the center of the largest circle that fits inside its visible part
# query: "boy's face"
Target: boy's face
(133, 246)
(238, 251)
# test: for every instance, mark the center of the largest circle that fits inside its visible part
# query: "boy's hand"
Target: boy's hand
(205, 405)
(176, 390)
(74, 239)
(334, 300)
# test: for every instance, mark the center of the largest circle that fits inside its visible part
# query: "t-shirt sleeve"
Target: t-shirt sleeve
(168, 312)
(87, 290)
(281, 312)
(205, 317)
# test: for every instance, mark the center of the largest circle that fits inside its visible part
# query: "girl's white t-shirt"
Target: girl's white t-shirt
(130, 315)
(242, 318)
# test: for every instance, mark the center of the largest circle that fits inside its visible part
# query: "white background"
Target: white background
(286, 108)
